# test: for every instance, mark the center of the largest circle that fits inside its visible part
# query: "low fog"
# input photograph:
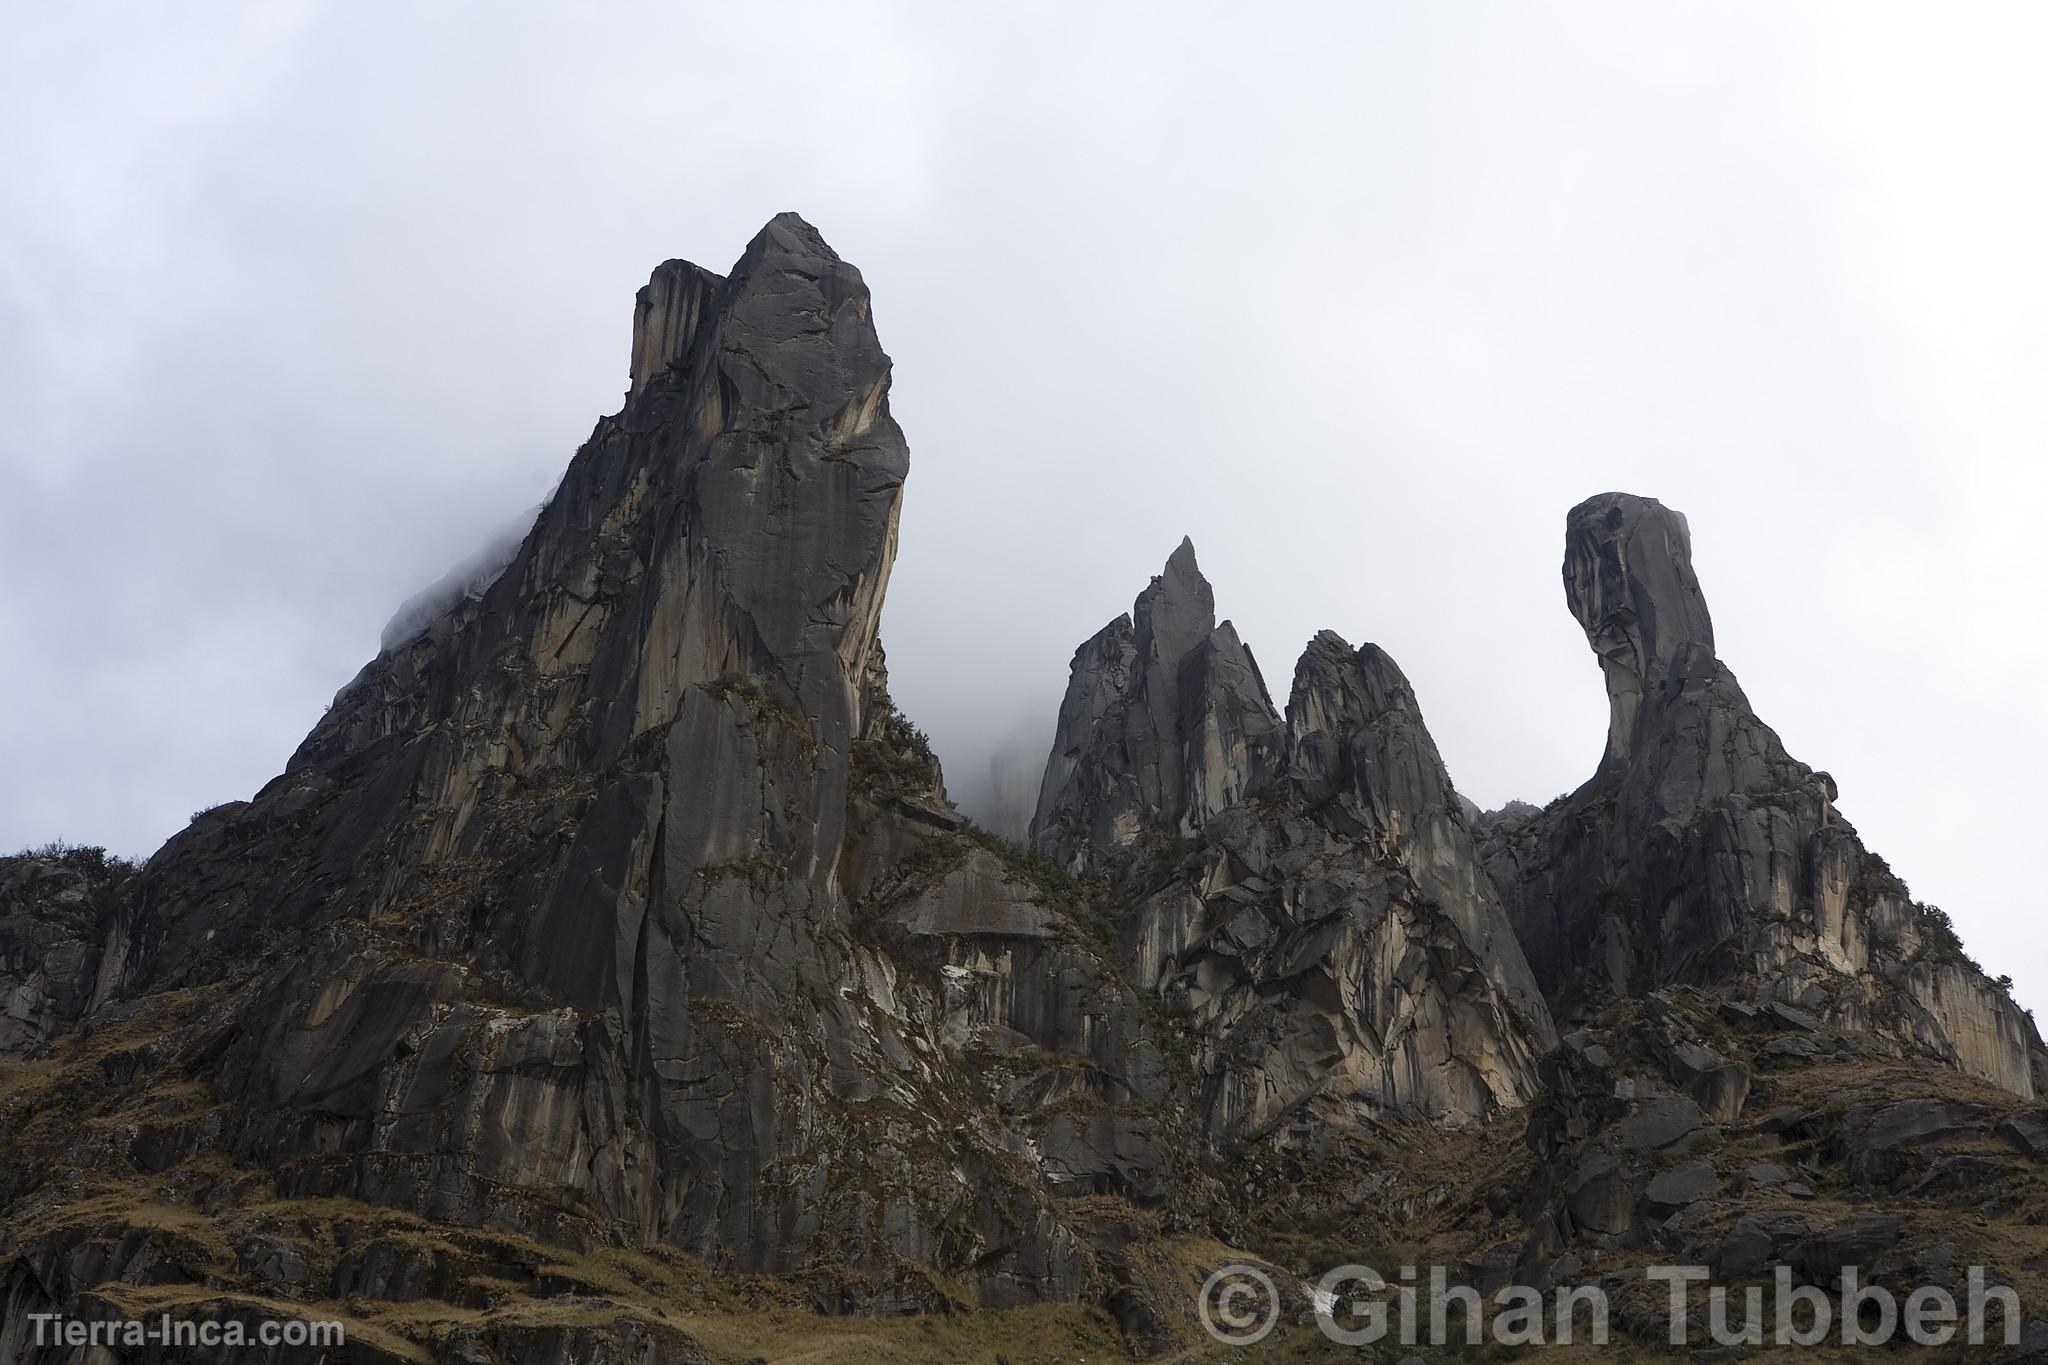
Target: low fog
(302, 303)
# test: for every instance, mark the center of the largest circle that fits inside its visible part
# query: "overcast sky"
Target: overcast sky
(299, 302)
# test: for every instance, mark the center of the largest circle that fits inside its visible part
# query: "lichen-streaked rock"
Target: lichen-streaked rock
(1701, 851)
(1306, 892)
(614, 902)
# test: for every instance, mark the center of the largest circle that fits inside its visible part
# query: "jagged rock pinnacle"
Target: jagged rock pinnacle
(635, 773)
(1700, 850)
(1166, 721)
(1629, 580)
(1329, 923)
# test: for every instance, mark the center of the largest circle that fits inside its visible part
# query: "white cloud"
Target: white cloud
(296, 309)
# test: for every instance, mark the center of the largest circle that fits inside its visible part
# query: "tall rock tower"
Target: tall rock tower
(1700, 851)
(615, 904)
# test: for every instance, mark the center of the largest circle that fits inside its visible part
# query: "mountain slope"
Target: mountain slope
(608, 976)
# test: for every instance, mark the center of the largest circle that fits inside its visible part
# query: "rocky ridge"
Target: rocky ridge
(1700, 851)
(608, 976)
(617, 906)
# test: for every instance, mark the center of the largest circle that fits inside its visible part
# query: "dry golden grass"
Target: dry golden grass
(741, 1318)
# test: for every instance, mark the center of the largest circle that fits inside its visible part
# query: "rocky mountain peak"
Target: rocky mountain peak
(1166, 721)
(668, 313)
(1308, 892)
(614, 912)
(569, 874)
(1338, 689)
(1701, 851)
(1177, 608)
(789, 283)
(1629, 580)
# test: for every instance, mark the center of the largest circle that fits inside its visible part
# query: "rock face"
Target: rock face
(1166, 722)
(613, 913)
(1701, 851)
(1305, 892)
(616, 903)
(65, 921)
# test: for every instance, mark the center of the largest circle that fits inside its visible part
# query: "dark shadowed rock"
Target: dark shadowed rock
(613, 903)
(1883, 1142)
(1166, 723)
(1701, 851)
(1662, 1121)
(1682, 1185)
(613, 912)
(66, 921)
(1305, 890)
(2027, 1134)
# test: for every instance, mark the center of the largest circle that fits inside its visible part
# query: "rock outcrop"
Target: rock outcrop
(65, 921)
(615, 904)
(1166, 722)
(613, 933)
(1700, 851)
(1305, 893)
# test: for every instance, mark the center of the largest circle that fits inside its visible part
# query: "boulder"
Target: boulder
(1663, 1121)
(1883, 1141)
(1682, 1185)
(2027, 1134)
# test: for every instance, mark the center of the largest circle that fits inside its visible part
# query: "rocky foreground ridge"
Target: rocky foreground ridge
(609, 977)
